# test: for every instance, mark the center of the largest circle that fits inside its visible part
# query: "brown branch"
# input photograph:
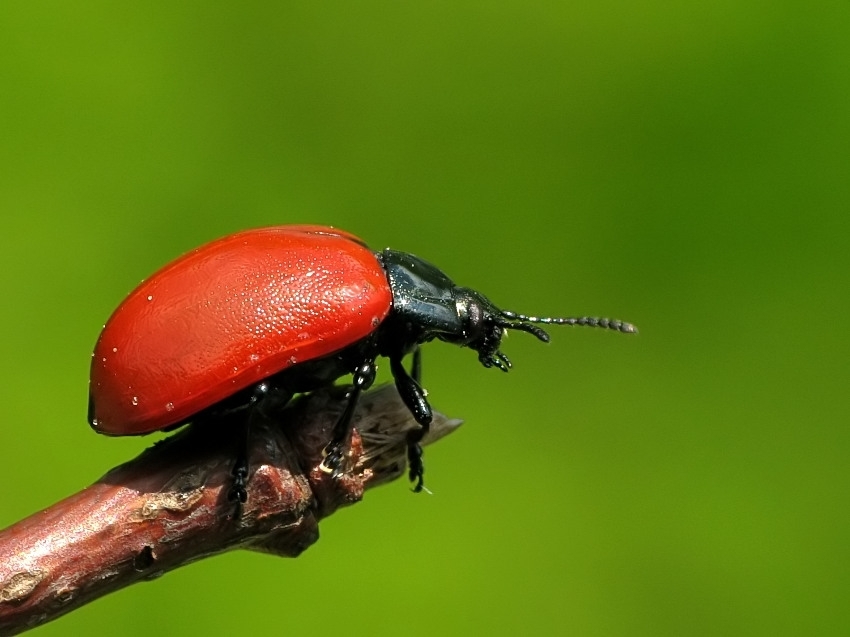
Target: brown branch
(169, 506)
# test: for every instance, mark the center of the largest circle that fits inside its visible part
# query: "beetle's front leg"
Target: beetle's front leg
(414, 397)
(416, 366)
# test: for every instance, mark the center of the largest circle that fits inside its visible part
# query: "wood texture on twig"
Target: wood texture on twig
(168, 507)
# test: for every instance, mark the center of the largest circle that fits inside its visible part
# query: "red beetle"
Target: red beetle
(253, 318)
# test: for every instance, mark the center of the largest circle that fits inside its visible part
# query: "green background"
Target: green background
(683, 165)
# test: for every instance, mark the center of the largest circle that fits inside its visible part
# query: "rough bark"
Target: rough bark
(169, 506)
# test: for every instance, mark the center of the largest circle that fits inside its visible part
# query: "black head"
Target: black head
(428, 305)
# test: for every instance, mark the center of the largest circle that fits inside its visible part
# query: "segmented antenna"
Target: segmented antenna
(588, 321)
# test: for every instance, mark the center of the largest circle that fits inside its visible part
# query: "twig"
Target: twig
(169, 507)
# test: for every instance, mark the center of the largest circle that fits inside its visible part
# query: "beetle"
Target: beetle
(244, 323)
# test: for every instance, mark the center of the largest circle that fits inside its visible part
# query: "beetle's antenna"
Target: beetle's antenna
(588, 321)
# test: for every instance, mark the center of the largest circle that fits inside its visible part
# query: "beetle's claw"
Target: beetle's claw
(332, 460)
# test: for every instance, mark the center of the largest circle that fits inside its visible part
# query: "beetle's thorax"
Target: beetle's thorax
(427, 305)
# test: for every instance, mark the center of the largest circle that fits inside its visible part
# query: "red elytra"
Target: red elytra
(224, 316)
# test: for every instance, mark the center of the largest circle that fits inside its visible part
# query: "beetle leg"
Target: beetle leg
(334, 452)
(263, 399)
(416, 367)
(238, 493)
(414, 397)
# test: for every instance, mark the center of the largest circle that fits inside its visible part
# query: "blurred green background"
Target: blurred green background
(682, 165)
